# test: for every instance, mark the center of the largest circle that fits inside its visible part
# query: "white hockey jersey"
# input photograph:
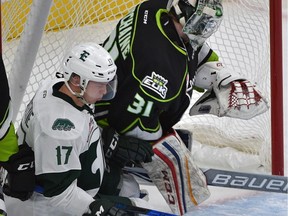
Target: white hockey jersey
(69, 162)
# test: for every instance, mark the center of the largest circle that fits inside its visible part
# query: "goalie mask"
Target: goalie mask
(90, 62)
(199, 18)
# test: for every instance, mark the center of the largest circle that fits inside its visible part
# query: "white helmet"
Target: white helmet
(199, 18)
(92, 62)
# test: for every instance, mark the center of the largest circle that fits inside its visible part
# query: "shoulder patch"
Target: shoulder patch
(63, 124)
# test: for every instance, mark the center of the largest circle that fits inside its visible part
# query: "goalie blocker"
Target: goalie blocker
(172, 170)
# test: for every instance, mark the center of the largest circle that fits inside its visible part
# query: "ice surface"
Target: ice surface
(231, 202)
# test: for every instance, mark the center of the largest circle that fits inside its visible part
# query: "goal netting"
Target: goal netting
(242, 43)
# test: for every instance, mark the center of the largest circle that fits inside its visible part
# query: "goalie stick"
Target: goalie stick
(231, 179)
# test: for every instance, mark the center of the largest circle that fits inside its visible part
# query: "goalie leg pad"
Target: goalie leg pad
(180, 181)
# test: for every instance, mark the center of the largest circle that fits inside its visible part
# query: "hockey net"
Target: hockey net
(242, 42)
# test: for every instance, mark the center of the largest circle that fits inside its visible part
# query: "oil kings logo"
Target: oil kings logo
(156, 83)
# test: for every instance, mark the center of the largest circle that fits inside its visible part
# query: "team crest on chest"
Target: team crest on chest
(156, 83)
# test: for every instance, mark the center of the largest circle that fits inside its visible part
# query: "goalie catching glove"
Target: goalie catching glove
(229, 94)
(120, 149)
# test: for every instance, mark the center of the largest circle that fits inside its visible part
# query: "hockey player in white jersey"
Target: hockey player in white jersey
(59, 128)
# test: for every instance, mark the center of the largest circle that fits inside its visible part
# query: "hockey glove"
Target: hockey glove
(240, 99)
(20, 181)
(120, 149)
(229, 94)
(103, 207)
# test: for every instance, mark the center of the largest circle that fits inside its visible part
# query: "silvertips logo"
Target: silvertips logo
(156, 83)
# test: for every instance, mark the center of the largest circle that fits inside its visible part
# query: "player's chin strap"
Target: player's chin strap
(229, 94)
(78, 95)
(180, 181)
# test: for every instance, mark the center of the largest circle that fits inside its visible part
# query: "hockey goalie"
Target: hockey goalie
(172, 169)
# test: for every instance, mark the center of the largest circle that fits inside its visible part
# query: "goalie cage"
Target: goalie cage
(242, 43)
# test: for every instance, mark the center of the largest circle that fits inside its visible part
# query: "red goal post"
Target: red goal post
(277, 131)
(34, 39)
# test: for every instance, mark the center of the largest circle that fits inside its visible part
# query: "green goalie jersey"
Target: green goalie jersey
(155, 72)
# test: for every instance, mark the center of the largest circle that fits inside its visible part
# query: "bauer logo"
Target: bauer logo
(251, 182)
(63, 125)
(156, 83)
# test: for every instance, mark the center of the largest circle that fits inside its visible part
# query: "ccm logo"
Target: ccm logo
(25, 166)
(101, 210)
(252, 182)
(168, 187)
(112, 146)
